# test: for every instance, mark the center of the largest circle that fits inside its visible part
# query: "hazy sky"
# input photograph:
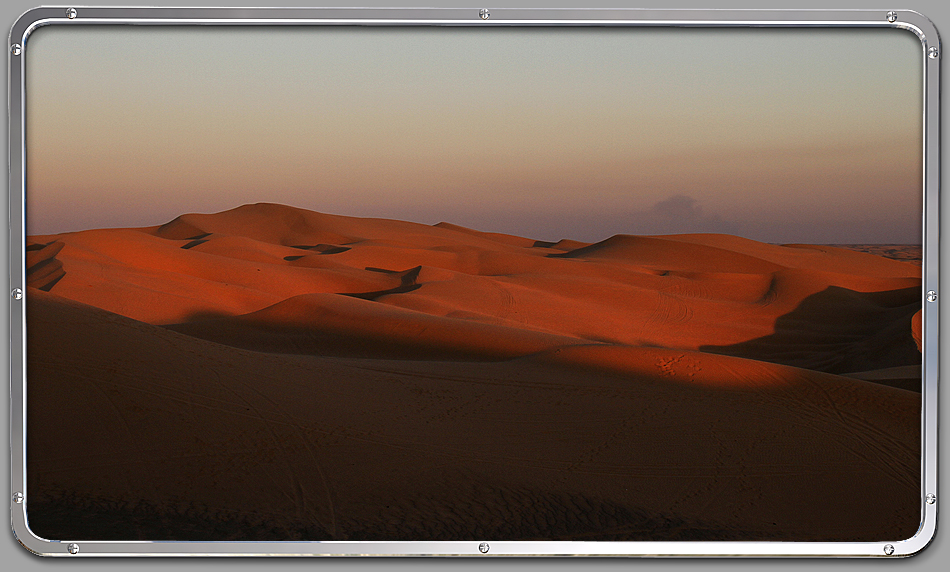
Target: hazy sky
(777, 135)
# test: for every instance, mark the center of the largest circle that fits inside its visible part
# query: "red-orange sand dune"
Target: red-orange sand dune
(269, 372)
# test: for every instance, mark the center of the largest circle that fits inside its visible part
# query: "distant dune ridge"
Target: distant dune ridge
(382, 379)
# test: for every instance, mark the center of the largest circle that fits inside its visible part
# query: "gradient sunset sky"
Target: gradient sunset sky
(777, 135)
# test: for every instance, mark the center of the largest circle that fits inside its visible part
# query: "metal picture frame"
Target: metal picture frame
(930, 55)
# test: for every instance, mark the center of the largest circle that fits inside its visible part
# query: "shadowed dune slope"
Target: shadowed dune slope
(843, 331)
(137, 431)
(43, 269)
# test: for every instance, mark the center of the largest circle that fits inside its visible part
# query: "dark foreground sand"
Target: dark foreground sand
(270, 373)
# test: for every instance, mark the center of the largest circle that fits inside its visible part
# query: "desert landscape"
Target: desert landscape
(269, 372)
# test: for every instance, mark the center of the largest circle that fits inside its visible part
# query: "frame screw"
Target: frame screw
(71, 14)
(73, 548)
(18, 497)
(484, 14)
(17, 294)
(931, 498)
(483, 547)
(933, 52)
(15, 49)
(888, 549)
(931, 296)
(892, 17)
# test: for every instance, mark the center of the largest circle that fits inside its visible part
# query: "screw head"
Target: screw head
(931, 498)
(931, 296)
(484, 14)
(888, 549)
(933, 52)
(17, 294)
(483, 547)
(15, 49)
(73, 548)
(892, 17)
(71, 14)
(18, 497)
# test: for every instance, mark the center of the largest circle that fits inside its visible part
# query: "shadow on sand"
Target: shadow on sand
(842, 331)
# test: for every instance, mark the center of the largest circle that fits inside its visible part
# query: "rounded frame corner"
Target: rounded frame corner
(922, 26)
(30, 21)
(26, 538)
(925, 536)
(25, 20)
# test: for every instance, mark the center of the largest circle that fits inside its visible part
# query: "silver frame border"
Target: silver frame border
(907, 20)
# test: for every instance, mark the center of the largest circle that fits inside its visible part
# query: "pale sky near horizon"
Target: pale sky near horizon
(776, 135)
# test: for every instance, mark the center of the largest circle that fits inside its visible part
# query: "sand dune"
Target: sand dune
(43, 269)
(328, 324)
(202, 440)
(903, 377)
(807, 256)
(682, 292)
(493, 236)
(840, 330)
(912, 253)
(381, 379)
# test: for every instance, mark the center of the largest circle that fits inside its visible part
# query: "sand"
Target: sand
(269, 372)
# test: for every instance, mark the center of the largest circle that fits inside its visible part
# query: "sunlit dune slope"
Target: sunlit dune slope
(284, 280)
